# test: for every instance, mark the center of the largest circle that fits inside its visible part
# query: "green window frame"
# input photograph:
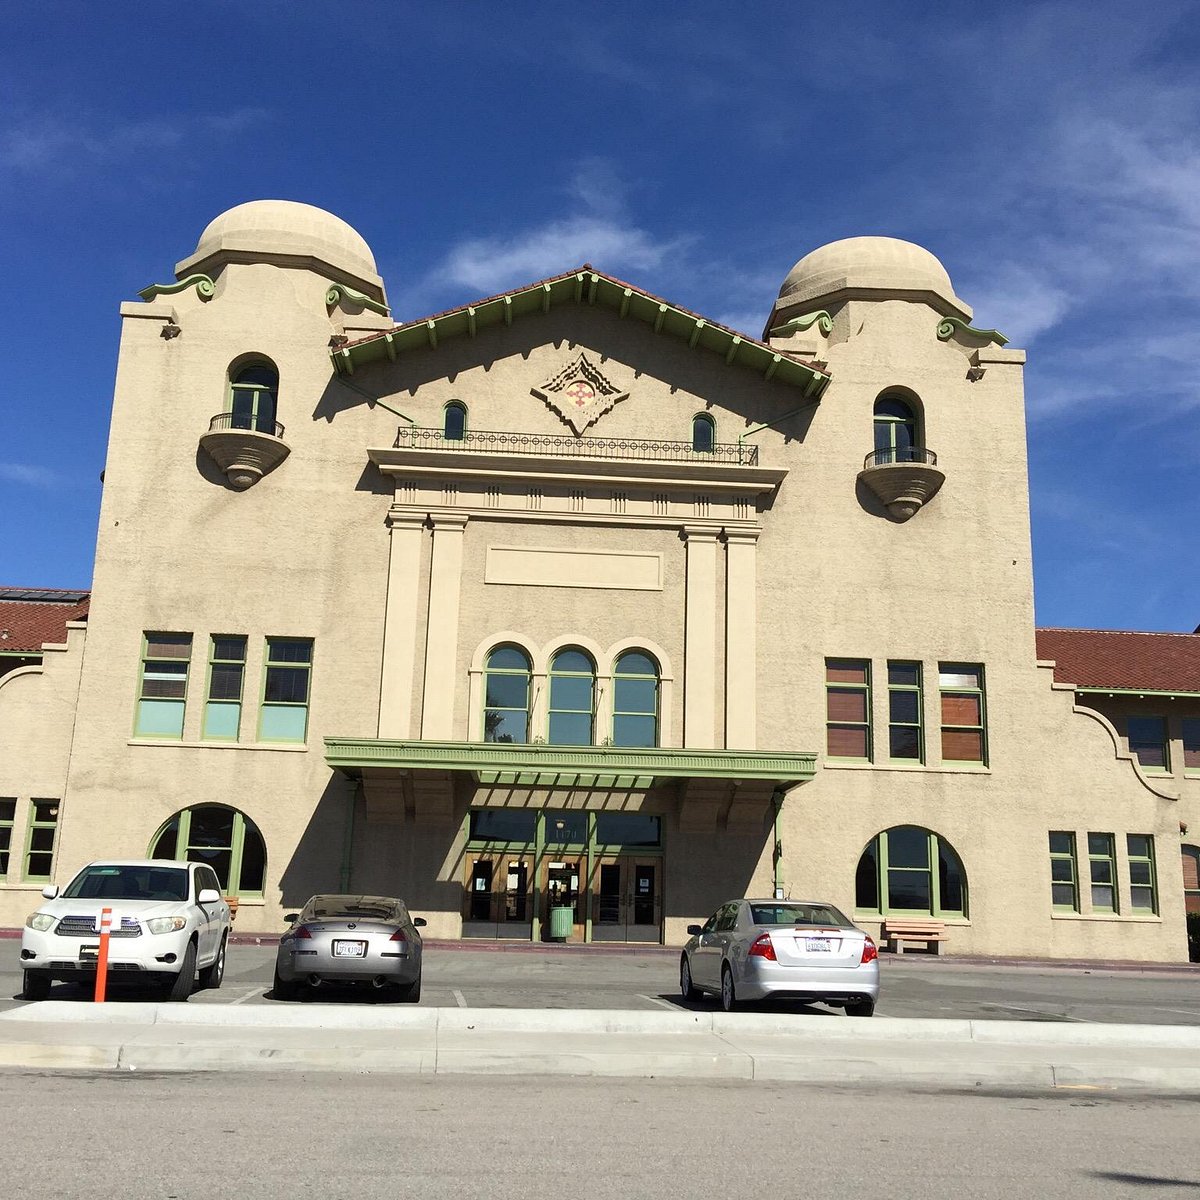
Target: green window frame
(222, 838)
(1190, 733)
(507, 687)
(572, 717)
(8, 819)
(1191, 878)
(40, 840)
(911, 871)
(162, 689)
(963, 712)
(254, 398)
(1064, 872)
(897, 436)
(848, 709)
(226, 680)
(906, 735)
(287, 677)
(1148, 743)
(1143, 876)
(454, 421)
(704, 434)
(635, 718)
(1102, 872)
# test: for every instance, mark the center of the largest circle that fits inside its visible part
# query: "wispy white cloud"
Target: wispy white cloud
(24, 475)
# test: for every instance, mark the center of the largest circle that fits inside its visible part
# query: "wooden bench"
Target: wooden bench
(898, 930)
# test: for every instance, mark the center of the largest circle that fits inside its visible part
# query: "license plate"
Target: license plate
(89, 953)
(349, 949)
(822, 945)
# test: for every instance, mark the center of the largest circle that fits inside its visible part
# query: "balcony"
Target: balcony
(904, 478)
(244, 448)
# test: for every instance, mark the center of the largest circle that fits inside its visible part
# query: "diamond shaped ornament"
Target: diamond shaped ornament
(580, 393)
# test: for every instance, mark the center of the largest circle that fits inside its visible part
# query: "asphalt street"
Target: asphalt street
(912, 986)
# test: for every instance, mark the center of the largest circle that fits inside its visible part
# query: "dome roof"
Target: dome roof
(870, 264)
(285, 227)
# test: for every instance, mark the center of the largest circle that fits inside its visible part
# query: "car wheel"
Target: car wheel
(35, 986)
(211, 976)
(183, 983)
(689, 990)
(728, 994)
(282, 990)
(864, 1008)
(410, 994)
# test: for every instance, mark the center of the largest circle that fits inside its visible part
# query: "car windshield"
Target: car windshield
(129, 883)
(797, 914)
(351, 908)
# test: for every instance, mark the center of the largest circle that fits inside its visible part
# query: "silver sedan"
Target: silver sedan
(781, 949)
(368, 940)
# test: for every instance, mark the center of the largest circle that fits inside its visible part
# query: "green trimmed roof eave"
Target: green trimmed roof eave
(584, 287)
(1117, 691)
(646, 766)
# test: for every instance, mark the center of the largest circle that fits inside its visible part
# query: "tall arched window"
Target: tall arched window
(704, 433)
(454, 421)
(220, 837)
(635, 700)
(1191, 881)
(895, 430)
(572, 699)
(506, 695)
(252, 397)
(907, 869)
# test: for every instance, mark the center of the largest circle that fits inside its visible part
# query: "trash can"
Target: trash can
(562, 919)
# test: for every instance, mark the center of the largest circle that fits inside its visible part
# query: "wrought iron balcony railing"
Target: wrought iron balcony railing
(228, 420)
(566, 446)
(900, 454)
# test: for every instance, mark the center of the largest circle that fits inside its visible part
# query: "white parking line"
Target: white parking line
(258, 991)
(659, 1000)
(459, 998)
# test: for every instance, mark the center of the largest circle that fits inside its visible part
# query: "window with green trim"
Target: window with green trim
(1148, 742)
(1143, 879)
(226, 677)
(1191, 878)
(1102, 871)
(454, 421)
(704, 433)
(964, 734)
(635, 700)
(848, 708)
(1064, 873)
(253, 393)
(896, 435)
(286, 678)
(39, 841)
(8, 818)
(162, 693)
(905, 740)
(1191, 744)
(506, 692)
(572, 699)
(220, 837)
(911, 870)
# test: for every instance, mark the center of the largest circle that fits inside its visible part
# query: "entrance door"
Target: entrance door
(561, 879)
(498, 900)
(627, 899)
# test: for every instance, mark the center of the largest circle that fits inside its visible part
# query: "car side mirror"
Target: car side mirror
(208, 896)
(50, 891)
(419, 922)
(695, 929)
(292, 918)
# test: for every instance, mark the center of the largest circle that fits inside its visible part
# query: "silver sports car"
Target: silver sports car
(781, 949)
(368, 940)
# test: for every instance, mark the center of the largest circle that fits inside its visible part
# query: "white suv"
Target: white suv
(168, 920)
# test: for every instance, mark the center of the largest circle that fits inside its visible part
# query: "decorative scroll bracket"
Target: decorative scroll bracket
(339, 292)
(205, 288)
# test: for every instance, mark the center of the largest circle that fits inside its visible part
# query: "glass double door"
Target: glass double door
(626, 899)
(499, 896)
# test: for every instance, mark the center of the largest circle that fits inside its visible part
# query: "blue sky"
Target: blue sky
(1047, 153)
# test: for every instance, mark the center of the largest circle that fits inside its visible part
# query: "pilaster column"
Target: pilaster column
(700, 639)
(400, 624)
(441, 637)
(741, 639)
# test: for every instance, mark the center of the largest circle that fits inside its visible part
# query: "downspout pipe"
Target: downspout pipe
(776, 844)
(352, 794)
(777, 421)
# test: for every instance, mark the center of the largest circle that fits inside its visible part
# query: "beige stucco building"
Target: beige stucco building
(572, 613)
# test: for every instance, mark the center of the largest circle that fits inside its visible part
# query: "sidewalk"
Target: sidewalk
(748, 1046)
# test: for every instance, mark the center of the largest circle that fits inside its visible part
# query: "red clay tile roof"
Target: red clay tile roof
(26, 624)
(1123, 660)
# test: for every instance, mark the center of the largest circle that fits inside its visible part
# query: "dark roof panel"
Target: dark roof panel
(25, 623)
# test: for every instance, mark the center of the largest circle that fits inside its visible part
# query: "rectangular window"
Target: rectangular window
(1191, 743)
(39, 845)
(284, 714)
(963, 715)
(1064, 878)
(1148, 742)
(163, 691)
(226, 672)
(1102, 869)
(904, 712)
(848, 708)
(1143, 886)
(8, 817)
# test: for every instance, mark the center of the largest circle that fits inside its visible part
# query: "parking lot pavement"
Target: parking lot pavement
(551, 979)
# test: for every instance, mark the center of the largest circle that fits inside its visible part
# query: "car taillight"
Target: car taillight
(398, 936)
(301, 931)
(870, 951)
(762, 948)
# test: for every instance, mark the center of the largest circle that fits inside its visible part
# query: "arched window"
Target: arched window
(704, 433)
(635, 700)
(907, 869)
(572, 699)
(895, 430)
(1191, 883)
(454, 421)
(220, 837)
(506, 695)
(252, 397)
